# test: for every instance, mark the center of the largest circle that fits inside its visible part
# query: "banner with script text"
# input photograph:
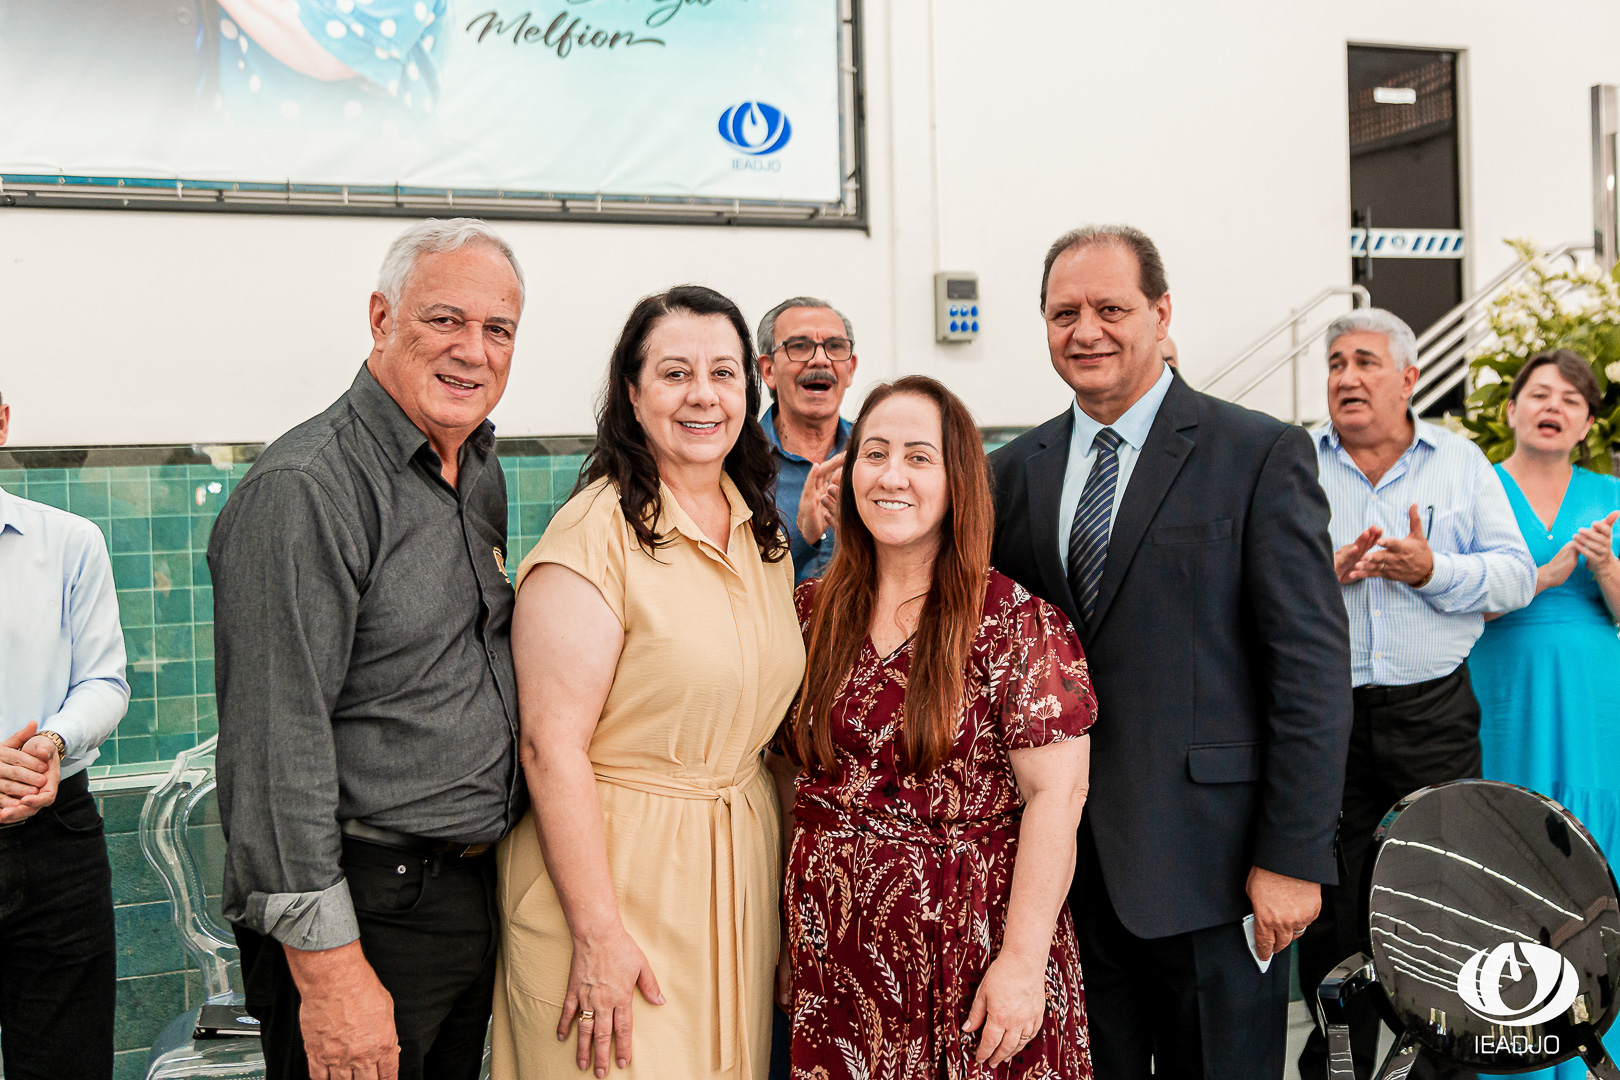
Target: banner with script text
(666, 99)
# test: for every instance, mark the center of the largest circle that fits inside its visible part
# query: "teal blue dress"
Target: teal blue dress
(1548, 681)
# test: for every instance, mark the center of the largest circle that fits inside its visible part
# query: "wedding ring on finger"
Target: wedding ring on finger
(586, 1016)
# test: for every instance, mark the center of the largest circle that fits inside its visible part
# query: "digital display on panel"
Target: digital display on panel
(663, 100)
(962, 289)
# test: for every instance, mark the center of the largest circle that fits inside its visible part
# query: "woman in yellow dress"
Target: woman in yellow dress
(657, 650)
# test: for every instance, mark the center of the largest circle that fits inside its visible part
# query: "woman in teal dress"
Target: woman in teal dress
(1548, 675)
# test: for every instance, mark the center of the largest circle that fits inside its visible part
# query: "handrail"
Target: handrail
(1488, 292)
(1361, 299)
(1451, 336)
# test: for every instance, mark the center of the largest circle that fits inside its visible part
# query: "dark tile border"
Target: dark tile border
(226, 454)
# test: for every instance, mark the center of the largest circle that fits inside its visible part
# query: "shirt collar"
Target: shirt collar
(1134, 425)
(676, 518)
(400, 439)
(10, 513)
(768, 422)
(1327, 436)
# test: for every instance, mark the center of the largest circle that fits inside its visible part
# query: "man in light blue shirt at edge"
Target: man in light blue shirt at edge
(62, 691)
(807, 359)
(1425, 544)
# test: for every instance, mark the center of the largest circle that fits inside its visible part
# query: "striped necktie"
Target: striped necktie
(1088, 535)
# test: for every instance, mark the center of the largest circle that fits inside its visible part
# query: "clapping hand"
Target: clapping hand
(1346, 558)
(28, 775)
(1555, 571)
(1596, 542)
(1408, 560)
(818, 503)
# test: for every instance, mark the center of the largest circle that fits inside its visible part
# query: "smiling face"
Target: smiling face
(815, 389)
(1549, 416)
(444, 349)
(692, 393)
(898, 478)
(1103, 334)
(1368, 391)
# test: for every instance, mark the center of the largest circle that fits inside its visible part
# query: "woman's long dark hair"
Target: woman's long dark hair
(951, 613)
(621, 453)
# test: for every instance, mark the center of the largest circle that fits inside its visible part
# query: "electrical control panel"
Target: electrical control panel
(956, 306)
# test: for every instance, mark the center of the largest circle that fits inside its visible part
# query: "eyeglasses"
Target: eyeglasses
(802, 350)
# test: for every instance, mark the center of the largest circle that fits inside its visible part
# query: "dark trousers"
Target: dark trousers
(1193, 1006)
(58, 955)
(781, 1044)
(1402, 738)
(428, 928)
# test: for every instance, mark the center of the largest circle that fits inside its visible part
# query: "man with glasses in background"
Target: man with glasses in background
(807, 358)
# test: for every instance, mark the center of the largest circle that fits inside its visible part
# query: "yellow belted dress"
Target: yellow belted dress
(712, 658)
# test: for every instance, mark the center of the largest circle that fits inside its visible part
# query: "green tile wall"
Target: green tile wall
(157, 519)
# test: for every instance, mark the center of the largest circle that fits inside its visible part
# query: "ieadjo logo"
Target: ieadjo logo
(1480, 983)
(755, 128)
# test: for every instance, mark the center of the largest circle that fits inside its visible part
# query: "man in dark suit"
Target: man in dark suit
(1187, 538)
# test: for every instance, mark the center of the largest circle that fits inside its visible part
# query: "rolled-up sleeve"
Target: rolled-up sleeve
(286, 593)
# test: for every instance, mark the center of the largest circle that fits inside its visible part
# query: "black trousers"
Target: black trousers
(781, 1044)
(58, 955)
(1192, 1006)
(428, 928)
(1402, 738)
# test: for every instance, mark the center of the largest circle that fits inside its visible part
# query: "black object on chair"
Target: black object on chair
(1495, 929)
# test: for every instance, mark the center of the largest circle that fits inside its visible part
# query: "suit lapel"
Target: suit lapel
(1044, 476)
(1160, 461)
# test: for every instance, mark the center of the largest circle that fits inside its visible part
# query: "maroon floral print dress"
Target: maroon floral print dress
(896, 888)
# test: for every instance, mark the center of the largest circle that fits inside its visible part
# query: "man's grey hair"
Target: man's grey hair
(431, 237)
(1402, 342)
(767, 325)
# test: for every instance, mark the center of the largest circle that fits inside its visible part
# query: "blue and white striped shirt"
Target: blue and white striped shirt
(1400, 634)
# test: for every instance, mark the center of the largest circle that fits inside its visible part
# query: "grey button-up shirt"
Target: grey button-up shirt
(363, 658)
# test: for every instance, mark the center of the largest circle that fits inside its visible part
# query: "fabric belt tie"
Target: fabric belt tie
(961, 887)
(731, 993)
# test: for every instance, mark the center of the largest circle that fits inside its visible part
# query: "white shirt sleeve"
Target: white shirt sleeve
(98, 694)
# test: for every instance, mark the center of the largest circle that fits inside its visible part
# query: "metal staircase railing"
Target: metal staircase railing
(1301, 340)
(1444, 347)
(1442, 350)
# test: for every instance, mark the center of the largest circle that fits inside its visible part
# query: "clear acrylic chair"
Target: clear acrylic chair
(176, 837)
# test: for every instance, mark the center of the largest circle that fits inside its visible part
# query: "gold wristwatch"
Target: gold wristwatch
(61, 744)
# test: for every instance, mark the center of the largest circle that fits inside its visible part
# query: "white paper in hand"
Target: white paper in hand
(1248, 933)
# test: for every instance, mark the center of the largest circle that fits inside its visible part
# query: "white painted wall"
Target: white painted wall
(1220, 129)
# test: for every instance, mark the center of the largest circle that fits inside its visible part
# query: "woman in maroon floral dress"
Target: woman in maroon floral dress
(941, 741)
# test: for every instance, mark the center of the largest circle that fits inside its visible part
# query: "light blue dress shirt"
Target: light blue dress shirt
(1399, 634)
(61, 647)
(1132, 428)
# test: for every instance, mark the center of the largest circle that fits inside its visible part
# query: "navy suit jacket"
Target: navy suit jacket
(1219, 651)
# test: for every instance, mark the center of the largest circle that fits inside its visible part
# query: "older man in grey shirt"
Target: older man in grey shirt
(367, 703)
